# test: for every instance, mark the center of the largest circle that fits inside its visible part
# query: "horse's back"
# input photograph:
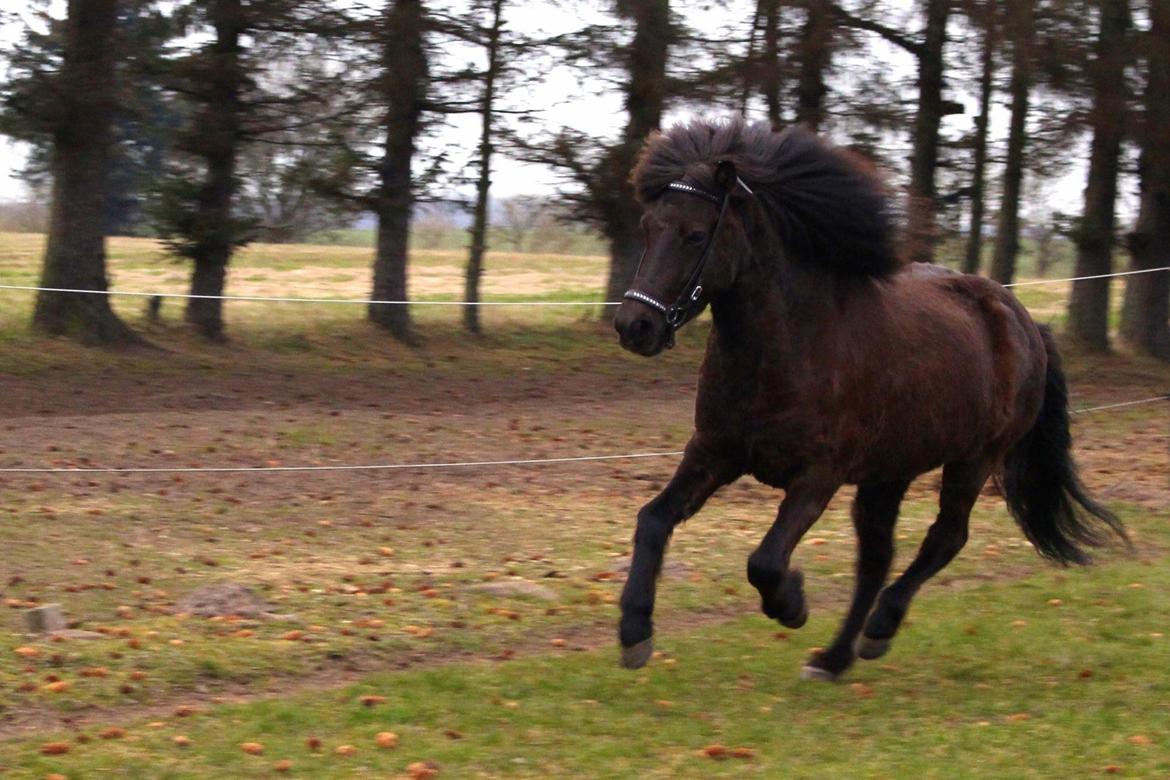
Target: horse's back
(955, 359)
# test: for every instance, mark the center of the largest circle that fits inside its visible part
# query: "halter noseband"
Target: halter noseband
(686, 305)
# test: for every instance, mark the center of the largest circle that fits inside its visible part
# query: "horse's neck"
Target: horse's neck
(772, 314)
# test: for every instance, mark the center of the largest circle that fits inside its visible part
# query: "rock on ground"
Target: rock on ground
(225, 599)
(521, 588)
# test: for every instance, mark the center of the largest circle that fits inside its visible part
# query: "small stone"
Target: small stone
(44, 619)
(225, 599)
(516, 588)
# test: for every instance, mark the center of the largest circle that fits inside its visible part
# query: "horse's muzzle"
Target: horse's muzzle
(642, 330)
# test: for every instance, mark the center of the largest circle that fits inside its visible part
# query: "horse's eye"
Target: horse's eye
(695, 238)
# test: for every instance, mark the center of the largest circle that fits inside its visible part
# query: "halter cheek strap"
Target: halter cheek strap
(687, 305)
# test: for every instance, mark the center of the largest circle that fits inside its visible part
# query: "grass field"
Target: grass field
(480, 604)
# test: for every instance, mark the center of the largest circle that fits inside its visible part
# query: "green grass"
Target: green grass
(987, 682)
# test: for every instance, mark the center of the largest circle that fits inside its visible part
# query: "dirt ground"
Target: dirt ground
(454, 407)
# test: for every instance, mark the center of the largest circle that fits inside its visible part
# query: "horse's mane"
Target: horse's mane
(827, 205)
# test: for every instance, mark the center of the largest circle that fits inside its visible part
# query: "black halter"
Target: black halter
(687, 305)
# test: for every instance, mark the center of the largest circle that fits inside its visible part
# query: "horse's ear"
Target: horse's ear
(725, 176)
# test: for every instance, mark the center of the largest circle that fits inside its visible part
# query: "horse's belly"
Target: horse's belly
(893, 451)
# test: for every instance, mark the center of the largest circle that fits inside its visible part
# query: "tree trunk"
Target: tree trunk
(75, 254)
(217, 136)
(1007, 239)
(924, 157)
(1145, 321)
(471, 319)
(644, 103)
(1088, 310)
(404, 83)
(750, 65)
(770, 82)
(814, 49)
(972, 257)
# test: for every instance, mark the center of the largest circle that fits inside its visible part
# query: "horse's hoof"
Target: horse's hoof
(636, 656)
(810, 672)
(868, 648)
(795, 622)
(793, 590)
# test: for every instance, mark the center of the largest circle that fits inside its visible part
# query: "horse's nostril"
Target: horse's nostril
(638, 328)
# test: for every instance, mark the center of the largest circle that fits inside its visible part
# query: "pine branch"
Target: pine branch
(890, 34)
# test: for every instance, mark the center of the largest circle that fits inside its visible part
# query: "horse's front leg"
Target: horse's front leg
(697, 477)
(781, 591)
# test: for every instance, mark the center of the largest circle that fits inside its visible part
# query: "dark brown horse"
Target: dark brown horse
(832, 363)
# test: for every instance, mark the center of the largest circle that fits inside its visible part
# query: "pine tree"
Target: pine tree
(927, 48)
(1146, 313)
(1088, 311)
(64, 92)
(491, 44)
(985, 15)
(1007, 237)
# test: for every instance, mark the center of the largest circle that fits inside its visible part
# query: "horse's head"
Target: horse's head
(690, 233)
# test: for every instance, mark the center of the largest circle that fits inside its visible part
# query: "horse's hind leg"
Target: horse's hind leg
(875, 512)
(961, 483)
(697, 477)
(781, 590)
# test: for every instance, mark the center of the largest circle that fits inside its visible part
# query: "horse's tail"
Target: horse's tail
(1041, 485)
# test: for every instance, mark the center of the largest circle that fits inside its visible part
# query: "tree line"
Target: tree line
(218, 121)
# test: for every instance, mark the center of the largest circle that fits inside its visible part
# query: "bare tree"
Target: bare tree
(521, 216)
